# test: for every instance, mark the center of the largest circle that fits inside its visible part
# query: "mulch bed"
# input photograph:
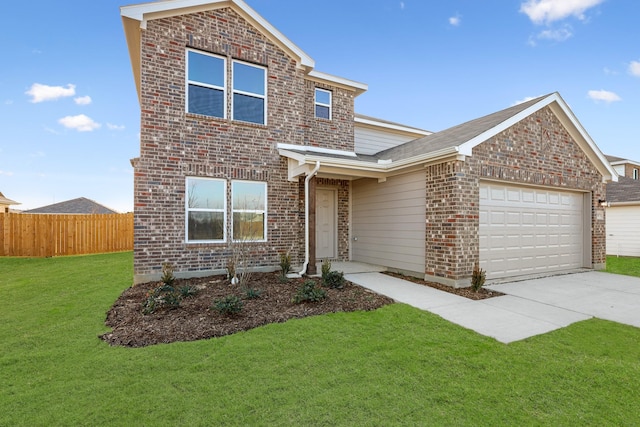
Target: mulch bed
(481, 294)
(194, 319)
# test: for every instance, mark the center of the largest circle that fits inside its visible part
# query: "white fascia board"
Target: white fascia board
(307, 148)
(625, 162)
(353, 85)
(163, 9)
(385, 125)
(621, 204)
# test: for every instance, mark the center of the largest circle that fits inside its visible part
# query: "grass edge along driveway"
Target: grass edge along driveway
(395, 366)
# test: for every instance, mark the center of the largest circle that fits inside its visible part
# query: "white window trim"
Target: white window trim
(254, 95)
(266, 209)
(198, 83)
(635, 173)
(316, 102)
(187, 210)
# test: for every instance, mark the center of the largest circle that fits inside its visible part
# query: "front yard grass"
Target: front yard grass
(629, 266)
(394, 366)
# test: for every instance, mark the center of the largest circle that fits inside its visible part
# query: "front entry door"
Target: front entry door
(326, 219)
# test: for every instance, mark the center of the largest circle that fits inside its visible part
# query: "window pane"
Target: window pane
(248, 195)
(206, 69)
(206, 226)
(248, 109)
(248, 226)
(205, 194)
(323, 97)
(248, 79)
(322, 112)
(205, 101)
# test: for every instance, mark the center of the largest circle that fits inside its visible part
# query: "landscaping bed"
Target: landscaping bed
(482, 293)
(196, 319)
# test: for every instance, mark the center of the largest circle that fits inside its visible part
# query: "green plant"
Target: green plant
(326, 268)
(228, 305)
(308, 291)
(477, 278)
(333, 279)
(187, 291)
(167, 274)
(160, 297)
(285, 263)
(252, 293)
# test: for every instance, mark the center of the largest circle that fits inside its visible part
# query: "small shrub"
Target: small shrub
(334, 280)
(308, 291)
(167, 274)
(252, 293)
(231, 270)
(228, 305)
(187, 291)
(162, 296)
(285, 263)
(477, 278)
(326, 268)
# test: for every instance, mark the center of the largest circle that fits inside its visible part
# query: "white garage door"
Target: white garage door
(528, 230)
(623, 230)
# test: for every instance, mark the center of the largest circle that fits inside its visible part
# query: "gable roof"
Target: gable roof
(461, 139)
(135, 18)
(7, 202)
(81, 205)
(625, 191)
(614, 160)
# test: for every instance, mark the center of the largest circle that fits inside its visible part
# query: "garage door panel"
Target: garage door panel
(526, 230)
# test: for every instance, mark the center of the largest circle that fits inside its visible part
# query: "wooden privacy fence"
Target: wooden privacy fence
(44, 235)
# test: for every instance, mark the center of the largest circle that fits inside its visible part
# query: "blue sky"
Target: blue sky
(70, 115)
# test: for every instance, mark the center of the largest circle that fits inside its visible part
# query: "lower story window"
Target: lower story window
(206, 210)
(249, 206)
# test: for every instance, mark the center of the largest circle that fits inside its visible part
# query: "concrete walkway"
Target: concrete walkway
(530, 307)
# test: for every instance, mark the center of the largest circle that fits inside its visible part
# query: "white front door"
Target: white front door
(326, 220)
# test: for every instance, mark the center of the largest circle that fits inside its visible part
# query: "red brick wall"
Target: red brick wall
(175, 144)
(536, 151)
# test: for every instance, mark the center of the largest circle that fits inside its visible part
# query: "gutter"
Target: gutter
(306, 218)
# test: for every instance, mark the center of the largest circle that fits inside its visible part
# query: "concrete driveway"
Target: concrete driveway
(530, 307)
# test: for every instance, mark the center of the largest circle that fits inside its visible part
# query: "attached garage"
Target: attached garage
(529, 230)
(389, 222)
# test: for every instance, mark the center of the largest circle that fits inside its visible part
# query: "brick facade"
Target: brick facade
(175, 144)
(536, 151)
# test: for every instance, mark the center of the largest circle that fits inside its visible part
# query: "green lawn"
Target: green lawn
(394, 366)
(629, 266)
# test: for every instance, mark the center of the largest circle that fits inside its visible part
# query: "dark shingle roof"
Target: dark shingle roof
(625, 190)
(81, 205)
(454, 136)
(613, 158)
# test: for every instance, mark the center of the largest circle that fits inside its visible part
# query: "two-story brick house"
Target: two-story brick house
(242, 140)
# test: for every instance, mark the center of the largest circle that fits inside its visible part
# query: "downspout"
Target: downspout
(306, 218)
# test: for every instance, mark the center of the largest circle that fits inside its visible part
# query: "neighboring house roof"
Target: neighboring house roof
(81, 205)
(625, 191)
(374, 121)
(7, 202)
(456, 141)
(135, 18)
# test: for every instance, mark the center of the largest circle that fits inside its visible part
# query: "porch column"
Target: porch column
(311, 268)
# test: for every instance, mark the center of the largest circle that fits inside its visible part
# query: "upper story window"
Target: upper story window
(323, 104)
(249, 209)
(635, 173)
(206, 207)
(206, 88)
(249, 92)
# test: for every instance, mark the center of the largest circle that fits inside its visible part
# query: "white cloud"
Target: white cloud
(548, 11)
(401, 5)
(609, 72)
(6, 173)
(455, 20)
(8, 102)
(558, 35)
(525, 99)
(81, 123)
(40, 92)
(634, 68)
(111, 126)
(604, 96)
(83, 100)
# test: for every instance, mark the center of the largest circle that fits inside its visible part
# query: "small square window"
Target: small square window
(323, 104)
